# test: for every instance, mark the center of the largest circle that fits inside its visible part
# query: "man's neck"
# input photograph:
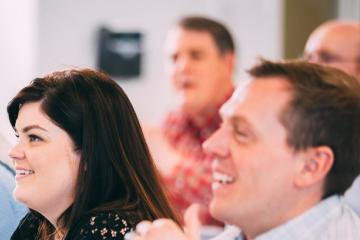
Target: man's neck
(268, 222)
(200, 120)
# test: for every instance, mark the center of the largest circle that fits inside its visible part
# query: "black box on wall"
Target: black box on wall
(119, 53)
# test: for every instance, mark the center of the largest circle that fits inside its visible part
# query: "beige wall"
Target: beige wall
(301, 17)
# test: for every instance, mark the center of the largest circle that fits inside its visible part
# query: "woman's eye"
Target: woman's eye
(34, 138)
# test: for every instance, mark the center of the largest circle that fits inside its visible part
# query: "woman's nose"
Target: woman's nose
(16, 152)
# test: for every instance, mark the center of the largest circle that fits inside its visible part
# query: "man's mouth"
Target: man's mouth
(222, 178)
(186, 85)
(185, 82)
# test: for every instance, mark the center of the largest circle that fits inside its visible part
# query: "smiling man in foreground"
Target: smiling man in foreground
(284, 155)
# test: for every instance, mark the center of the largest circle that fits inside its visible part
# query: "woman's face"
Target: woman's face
(45, 161)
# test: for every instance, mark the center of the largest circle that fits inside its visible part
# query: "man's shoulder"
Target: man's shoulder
(352, 195)
(330, 219)
(7, 184)
(6, 172)
(344, 225)
(334, 219)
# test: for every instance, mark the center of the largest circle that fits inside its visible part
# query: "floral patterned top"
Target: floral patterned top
(97, 226)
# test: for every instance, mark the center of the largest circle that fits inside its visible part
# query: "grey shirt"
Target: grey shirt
(331, 219)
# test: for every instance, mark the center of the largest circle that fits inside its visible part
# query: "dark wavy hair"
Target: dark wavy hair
(116, 171)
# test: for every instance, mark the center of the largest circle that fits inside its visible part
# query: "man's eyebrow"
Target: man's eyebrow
(327, 53)
(241, 120)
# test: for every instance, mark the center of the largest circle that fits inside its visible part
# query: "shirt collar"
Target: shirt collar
(316, 217)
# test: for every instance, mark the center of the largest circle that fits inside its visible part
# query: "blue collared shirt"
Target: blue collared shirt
(11, 212)
(352, 195)
(331, 219)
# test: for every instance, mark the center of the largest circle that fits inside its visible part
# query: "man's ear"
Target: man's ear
(316, 165)
(229, 58)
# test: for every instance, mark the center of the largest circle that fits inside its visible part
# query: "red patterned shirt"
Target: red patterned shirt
(190, 182)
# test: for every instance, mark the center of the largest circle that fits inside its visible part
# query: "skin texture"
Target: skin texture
(200, 74)
(47, 150)
(336, 43)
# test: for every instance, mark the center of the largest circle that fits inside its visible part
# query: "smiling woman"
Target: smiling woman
(82, 165)
(44, 155)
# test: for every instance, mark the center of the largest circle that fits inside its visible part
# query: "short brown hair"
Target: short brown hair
(324, 110)
(218, 31)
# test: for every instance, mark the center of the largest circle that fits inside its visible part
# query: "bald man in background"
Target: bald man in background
(337, 43)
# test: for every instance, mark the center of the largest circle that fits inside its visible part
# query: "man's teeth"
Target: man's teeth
(24, 172)
(222, 178)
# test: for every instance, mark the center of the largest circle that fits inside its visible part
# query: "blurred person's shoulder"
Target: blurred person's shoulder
(4, 150)
(165, 156)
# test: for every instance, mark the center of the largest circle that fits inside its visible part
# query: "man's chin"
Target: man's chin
(216, 210)
(190, 109)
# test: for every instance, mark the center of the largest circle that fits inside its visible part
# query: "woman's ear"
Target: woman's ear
(315, 167)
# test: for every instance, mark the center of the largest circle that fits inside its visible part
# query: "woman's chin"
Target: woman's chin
(19, 196)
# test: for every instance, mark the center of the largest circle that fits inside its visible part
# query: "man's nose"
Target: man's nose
(183, 65)
(217, 144)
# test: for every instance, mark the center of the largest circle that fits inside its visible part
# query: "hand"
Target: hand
(167, 229)
(192, 222)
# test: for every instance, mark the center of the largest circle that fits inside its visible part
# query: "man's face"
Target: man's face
(254, 167)
(338, 47)
(199, 73)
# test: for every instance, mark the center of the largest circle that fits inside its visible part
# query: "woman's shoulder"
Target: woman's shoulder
(100, 225)
(27, 228)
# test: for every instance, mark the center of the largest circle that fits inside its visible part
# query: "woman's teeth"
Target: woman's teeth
(24, 172)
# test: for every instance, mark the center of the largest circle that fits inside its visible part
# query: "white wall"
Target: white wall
(349, 9)
(67, 37)
(17, 48)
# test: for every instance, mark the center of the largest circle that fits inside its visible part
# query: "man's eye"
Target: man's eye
(327, 58)
(34, 138)
(196, 55)
(241, 136)
(174, 57)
